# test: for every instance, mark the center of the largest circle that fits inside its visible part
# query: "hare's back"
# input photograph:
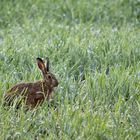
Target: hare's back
(25, 88)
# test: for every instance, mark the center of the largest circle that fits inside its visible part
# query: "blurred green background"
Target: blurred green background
(69, 12)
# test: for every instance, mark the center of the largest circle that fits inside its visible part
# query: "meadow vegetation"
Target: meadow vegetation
(94, 49)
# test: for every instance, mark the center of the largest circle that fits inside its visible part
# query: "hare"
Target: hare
(33, 93)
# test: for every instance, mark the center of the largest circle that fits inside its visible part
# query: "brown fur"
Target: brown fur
(33, 93)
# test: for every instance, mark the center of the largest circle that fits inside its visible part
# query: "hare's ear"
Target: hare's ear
(47, 63)
(41, 64)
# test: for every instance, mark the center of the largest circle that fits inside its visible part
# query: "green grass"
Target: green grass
(82, 39)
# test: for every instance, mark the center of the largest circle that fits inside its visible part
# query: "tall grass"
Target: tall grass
(94, 48)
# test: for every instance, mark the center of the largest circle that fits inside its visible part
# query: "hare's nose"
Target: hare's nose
(56, 84)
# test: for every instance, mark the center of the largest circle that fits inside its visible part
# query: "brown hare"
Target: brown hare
(33, 93)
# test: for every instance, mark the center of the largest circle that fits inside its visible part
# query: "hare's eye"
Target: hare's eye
(49, 76)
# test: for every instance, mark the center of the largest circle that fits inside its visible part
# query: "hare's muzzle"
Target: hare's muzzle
(56, 84)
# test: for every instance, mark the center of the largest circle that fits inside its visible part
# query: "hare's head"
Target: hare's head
(49, 78)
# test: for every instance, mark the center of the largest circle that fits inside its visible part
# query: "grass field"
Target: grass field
(94, 48)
